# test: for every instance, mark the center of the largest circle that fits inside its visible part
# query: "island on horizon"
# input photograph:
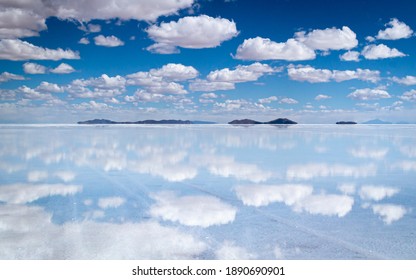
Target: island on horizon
(276, 121)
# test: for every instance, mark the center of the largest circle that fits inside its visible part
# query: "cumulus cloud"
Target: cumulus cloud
(204, 85)
(225, 79)
(6, 76)
(350, 56)
(21, 193)
(313, 75)
(84, 41)
(163, 80)
(376, 193)
(149, 10)
(329, 39)
(313, 170)
(263, 195)
(34, 68)
(111, 202)
(408, 80)
(322, 97)
(380, 51)
(175, 72)
(242, 73)
(15, 49)
(36, 176)
(347, 188)
(66, 176)
(389, 212)
(409, 96)
(264, 49)
(192, 210)
(268, 100)
(369, 94)
(18, 23)
(63, 68)
(287, 100)
(191, 32)
(108, 41)
(397, 30)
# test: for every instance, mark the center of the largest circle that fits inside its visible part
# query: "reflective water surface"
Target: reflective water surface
(208, 192)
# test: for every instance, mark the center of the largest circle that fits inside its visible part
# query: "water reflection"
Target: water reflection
(204, 192)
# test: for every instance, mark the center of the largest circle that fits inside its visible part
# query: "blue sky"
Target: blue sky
(310, 61)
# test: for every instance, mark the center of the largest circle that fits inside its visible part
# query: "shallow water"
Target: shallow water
(208, 192)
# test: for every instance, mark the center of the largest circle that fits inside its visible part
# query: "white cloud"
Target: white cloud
(329, 39)
(63, 68)
(313, 75)
(92, 105)
(108, 41)
(209, 95)
(15, 49)
(268, 100)
(148, 10)
(309, 74)
(111, 202)
(94, 28)
(380, 51)
(6, 76)
(408, 80)
(389, 212)
(49, 87)
(322, 97)
(350, 56)
(397, 30)
(33, 94)
(84, 41)
(376, 193)
(34, 68)
(313, 170)
(287, 100)
(21, 193)
(242, 73)
(191, 32)
(263, 195)
(204, 85)
(369, 94)
(409, 96)
(264, 49)
(175, 72)
(102, 82)
(326, 204)
(230, 251)
(17, 23)
(192, 210)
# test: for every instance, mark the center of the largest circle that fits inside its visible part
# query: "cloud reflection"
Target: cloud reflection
(313, 170)
(20, 193)
(192, 210)
(389, 212)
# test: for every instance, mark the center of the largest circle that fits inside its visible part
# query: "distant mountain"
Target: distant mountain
(244, 121)
(276, 121)
(376, 121)
(104, 121)
(281, 121)
(346, 122)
